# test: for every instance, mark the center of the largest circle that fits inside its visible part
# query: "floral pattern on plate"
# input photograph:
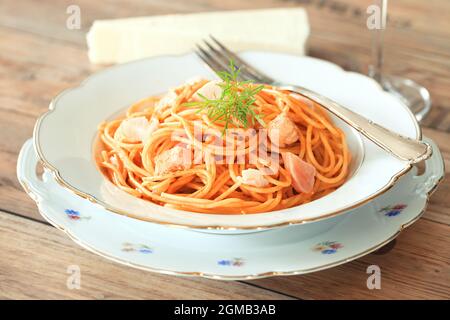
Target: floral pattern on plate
(328, 247)
(132, 247)
(75, 215)
(392, 211)
(235, 262)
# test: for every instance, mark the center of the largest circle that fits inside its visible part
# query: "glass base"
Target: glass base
(416, 97)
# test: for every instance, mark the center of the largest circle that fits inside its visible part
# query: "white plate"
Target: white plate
(284, 251)
(64, 135)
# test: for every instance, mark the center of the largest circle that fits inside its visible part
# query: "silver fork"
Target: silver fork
(217, 57)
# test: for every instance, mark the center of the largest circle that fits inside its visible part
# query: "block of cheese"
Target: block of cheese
(121, 40)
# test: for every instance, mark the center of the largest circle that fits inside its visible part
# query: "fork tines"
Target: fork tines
(217, 57)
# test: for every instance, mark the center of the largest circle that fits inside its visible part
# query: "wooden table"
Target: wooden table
(39, 57)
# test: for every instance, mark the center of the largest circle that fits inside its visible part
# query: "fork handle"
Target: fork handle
(402, 147)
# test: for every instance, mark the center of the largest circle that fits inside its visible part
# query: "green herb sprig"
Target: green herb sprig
(236, 103)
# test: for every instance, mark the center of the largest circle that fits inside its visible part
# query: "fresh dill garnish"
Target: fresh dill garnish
(236, 103)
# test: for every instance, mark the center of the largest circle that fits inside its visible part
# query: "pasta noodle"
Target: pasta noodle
(214, 180)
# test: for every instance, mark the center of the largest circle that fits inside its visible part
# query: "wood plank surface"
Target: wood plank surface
(418, 267)
(35, 259)
(40, 57)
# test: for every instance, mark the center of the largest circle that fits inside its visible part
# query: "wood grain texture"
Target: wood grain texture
(35, 258)
(415, 48)
(418, 267)
(39, 57)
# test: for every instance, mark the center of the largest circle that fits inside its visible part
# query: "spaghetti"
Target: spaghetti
(169, 151)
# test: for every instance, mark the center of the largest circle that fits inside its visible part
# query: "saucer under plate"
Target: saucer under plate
(289, 250)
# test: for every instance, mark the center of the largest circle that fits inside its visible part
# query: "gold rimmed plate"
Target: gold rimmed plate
(63, 137)
(292, 250)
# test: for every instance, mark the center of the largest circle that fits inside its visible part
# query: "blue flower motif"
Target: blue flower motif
(328, 247)
(72, 212)
(393, 213)
(145, 250)
(235, 262)
(224, 262)
(141, 248)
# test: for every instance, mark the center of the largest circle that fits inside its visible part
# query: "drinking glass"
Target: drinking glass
(415, 96)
